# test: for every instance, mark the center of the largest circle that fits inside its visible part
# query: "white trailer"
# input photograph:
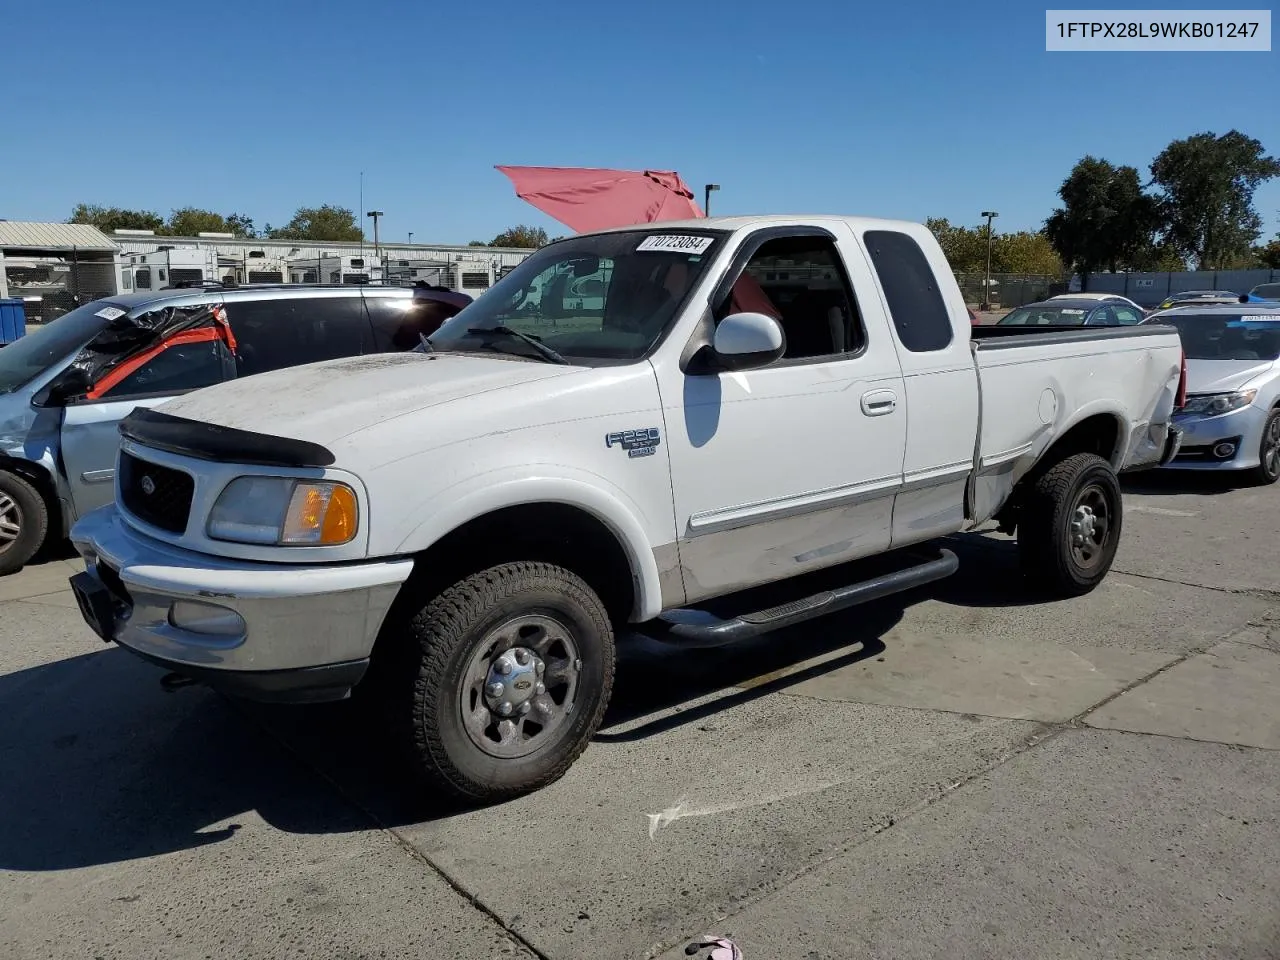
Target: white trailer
(165, 268)
(333, 269)
(470, 276)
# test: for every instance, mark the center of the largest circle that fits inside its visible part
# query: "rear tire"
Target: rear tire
(534, 630)
(1268, 469)
(1069, 525)
(24, 522)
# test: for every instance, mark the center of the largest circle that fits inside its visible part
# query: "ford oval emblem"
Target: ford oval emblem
(523, 683)
(148, 486)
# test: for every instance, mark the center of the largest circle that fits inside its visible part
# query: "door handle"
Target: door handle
(879, 402)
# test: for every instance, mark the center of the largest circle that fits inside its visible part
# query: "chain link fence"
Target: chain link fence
(50, 288)
(1009, 290)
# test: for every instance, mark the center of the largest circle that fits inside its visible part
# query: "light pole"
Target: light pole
(411, 236)
(986, 286)
(706, 194)
(375, 214)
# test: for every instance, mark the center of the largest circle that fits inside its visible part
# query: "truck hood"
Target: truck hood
(323, 402)
(1223, 376)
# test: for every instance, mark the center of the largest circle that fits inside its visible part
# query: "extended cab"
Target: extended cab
(465, 527)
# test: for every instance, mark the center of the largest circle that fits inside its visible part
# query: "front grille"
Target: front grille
(160, 496)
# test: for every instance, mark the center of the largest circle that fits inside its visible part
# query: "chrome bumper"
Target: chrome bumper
(267, 631)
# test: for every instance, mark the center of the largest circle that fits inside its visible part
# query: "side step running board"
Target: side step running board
(699, 628)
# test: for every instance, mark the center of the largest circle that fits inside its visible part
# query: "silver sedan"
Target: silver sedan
(1231, 420)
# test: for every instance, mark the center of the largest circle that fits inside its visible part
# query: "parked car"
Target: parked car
(470, 523)
(65, 385)
(1107, 297)
(1073, 312)
(1198, 296)
(1231, 418)
(1264, 292)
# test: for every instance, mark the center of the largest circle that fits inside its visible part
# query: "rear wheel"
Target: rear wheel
(24, 522)
(1069, 525)
(1268, 468)
(511, 670)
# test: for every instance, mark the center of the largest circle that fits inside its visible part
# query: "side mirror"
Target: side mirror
(72, 382)
(745, 340)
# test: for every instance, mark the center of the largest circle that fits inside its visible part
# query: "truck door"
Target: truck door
(186, 361)
(932, 335)
(792, 466)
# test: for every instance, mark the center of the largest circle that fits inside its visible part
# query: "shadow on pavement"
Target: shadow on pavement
(1172, 483)
(104, 766)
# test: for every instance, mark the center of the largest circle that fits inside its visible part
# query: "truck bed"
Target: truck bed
(1037, 383)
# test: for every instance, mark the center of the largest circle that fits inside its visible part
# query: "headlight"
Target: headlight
(1216, 403)
(279, 510)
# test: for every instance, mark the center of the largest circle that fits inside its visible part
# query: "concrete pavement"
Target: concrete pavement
(957, 771)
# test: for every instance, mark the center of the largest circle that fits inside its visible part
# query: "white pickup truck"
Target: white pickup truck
(466, 527)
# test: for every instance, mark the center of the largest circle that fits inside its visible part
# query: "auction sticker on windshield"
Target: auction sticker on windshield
(110, 313)
(674, 243)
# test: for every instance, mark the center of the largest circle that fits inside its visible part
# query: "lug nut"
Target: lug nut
(503, 667)
(524, 708)
(540, 689)
(504, 708)
(541, 668)
(522, 657)
(494, 690)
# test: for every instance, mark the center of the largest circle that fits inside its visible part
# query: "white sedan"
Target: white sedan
(1110, 297)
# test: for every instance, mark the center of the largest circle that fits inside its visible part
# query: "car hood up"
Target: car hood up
(1223, 376)
(324, 402)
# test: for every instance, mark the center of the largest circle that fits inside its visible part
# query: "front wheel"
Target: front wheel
(24, 522)
(512, 669)
(1268, 469)
(1069, 525)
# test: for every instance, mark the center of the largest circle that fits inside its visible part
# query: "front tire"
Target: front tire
(1268, 469)
(24, 522)
(512, 669)
(1069, 525)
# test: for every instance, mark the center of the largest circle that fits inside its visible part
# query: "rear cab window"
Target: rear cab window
(911, 290)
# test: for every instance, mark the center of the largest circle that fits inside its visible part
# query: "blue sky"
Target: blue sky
(887, 109)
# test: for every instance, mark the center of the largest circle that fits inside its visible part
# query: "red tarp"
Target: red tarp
(589, 198)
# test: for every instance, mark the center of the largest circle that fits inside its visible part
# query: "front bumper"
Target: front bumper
(1202, 434)
(280, 632)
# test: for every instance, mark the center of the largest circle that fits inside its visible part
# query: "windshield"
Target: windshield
(1219, 336)
(31, 355)
(594, 300)
(1268, 291)
(1045, 315)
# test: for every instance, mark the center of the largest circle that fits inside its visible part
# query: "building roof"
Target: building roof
(27, 235)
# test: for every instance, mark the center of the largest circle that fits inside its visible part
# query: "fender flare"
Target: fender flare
(514, 487)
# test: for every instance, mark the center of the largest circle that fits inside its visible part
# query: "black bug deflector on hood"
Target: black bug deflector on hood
(209, 441)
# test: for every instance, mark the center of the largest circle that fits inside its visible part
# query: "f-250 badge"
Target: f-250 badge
(637, 443)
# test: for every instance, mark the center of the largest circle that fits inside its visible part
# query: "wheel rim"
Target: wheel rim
(1271, 447)
(1090, 526)
(518, 692)
(10, 521)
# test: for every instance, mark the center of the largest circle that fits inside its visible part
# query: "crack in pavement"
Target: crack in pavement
(1048, 731)
(1257, 593)
(456, 885)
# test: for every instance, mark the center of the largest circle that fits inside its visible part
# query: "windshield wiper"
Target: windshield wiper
(543, 350)
(424, 345)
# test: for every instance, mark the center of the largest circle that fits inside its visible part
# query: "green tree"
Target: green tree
(1024, 252)
(319, 223)
(1207, 185)
(240, 225)
(189, 221)
(114, 218)
(1105, 221)
(522, 236)
(1269, 256)
(965, 249)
